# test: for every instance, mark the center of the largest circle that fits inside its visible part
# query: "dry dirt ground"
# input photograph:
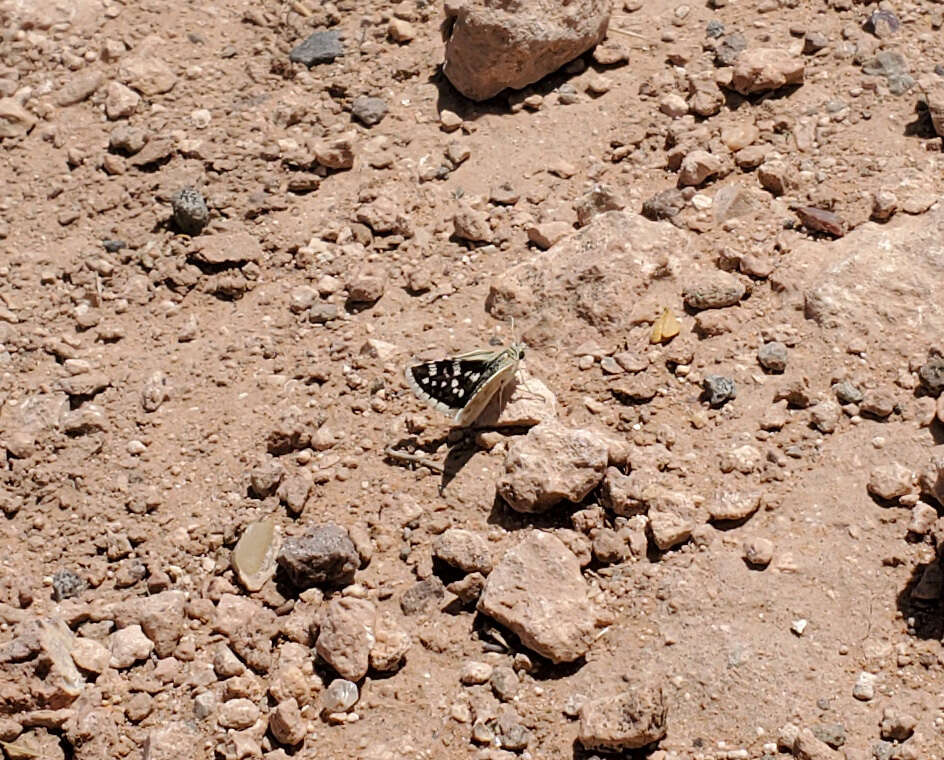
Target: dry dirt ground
(156, 387)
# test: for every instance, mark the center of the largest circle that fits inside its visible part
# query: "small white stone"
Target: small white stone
(798, 626)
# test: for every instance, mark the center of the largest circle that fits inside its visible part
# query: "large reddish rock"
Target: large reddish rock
(494, 44)
(765, 70)
(550, 464)
(629, 720)
(537, 592)
(347, 636)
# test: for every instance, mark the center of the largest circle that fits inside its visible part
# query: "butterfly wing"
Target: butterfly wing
(448, 384)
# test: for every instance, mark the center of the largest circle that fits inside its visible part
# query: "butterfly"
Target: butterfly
(463, 385)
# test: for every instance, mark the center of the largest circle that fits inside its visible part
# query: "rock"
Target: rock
(718, 390)
(90, 655)
(294, 490)
(384, 217)
(67, 584)
(931, 374)
(672, 516)
(891, 65)
(664, 205)
(931, 478)
(629, 720)
(546, 234)
(146, 72)
(597, 200)
(287, 724)
(265, 478)
(550, 464)
(847, 393)
(254, 557)
(161, 617)
(897, 725)
(876, 274)
(347, 636)
(474, 673)
(765, 70)
(884, 205)
(934, 95)
(15, 120)
(338, 152)
(129, 645)
(127, 140)
(923, 517)
(491, 46)
(174, 740)
(772, 356)
(472, 224)
(591, 279)
(505, 683)
(422, 595)
(391, 645)
(324, 555)
(714, 290)
(320, 47)
(776, 177)
(736, 200)
(821, 220)
(340, 696)
(877, 402)
(733, 505)
(864, 689)
(367, 284)
(537, 592)
(238, 713)
(729, 48)
(825, 416)
(697, 167)
(758, 551)
(369, 111)
(624, 494)
(81, 86)
(400, 30)
(805, 746)
(464, 550)
(673, 105)
(813, 42)
(191, 214)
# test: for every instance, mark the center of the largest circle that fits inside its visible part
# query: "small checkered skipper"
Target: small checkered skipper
(462, 386)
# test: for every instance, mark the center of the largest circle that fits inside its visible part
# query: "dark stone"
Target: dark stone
(718, 390)
(190, 211)
(821, 220)
(325, 554)
(833, 734)
(847, 393)
(663, 205)
(321, 47)
(421, 595)
(887, 63)
(883, 24)
(730, 48)
(66, 584)
(113, 246)
(714, 29)
(368, 110)
(932, 374)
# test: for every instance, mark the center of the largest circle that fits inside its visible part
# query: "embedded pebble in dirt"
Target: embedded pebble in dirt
(704, 519)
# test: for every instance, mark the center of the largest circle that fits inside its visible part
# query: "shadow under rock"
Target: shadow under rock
(920, 601)
(628, 754)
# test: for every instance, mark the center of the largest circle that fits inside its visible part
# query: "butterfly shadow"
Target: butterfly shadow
(457, 456)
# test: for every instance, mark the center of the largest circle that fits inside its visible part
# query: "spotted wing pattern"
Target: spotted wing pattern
(461, 386)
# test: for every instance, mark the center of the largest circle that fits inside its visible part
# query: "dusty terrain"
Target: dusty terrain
(161, 391)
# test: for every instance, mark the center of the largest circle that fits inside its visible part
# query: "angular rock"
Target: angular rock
(391, 645)
(253, 557)
(325, 554)
(81, 86)
(368, 110)
(624, 494)
(629, 720)
(697, 167)
(494, 45)
(550, 464)
(129, 645)
(226, 248)
(320, 47)
(191, 214)
(15, 120)
(287, 724)
(537, 592)
(597, 200)
(90, 655)
(422, 595)
(821, 220)
(146, 72)
(672, 516)
(733, 505)
(120, 101)
(890, 481)
(347, 636)
(877, 274)
(766, 69)
(933, 88)
(931, 478)
(464, 550)
(161, 617)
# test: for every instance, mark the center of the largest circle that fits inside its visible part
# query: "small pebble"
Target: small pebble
(772, 356)
(718, 390)
(340, 696)
(190, 211)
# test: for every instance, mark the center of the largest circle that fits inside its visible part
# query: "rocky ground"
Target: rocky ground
(704, 524)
